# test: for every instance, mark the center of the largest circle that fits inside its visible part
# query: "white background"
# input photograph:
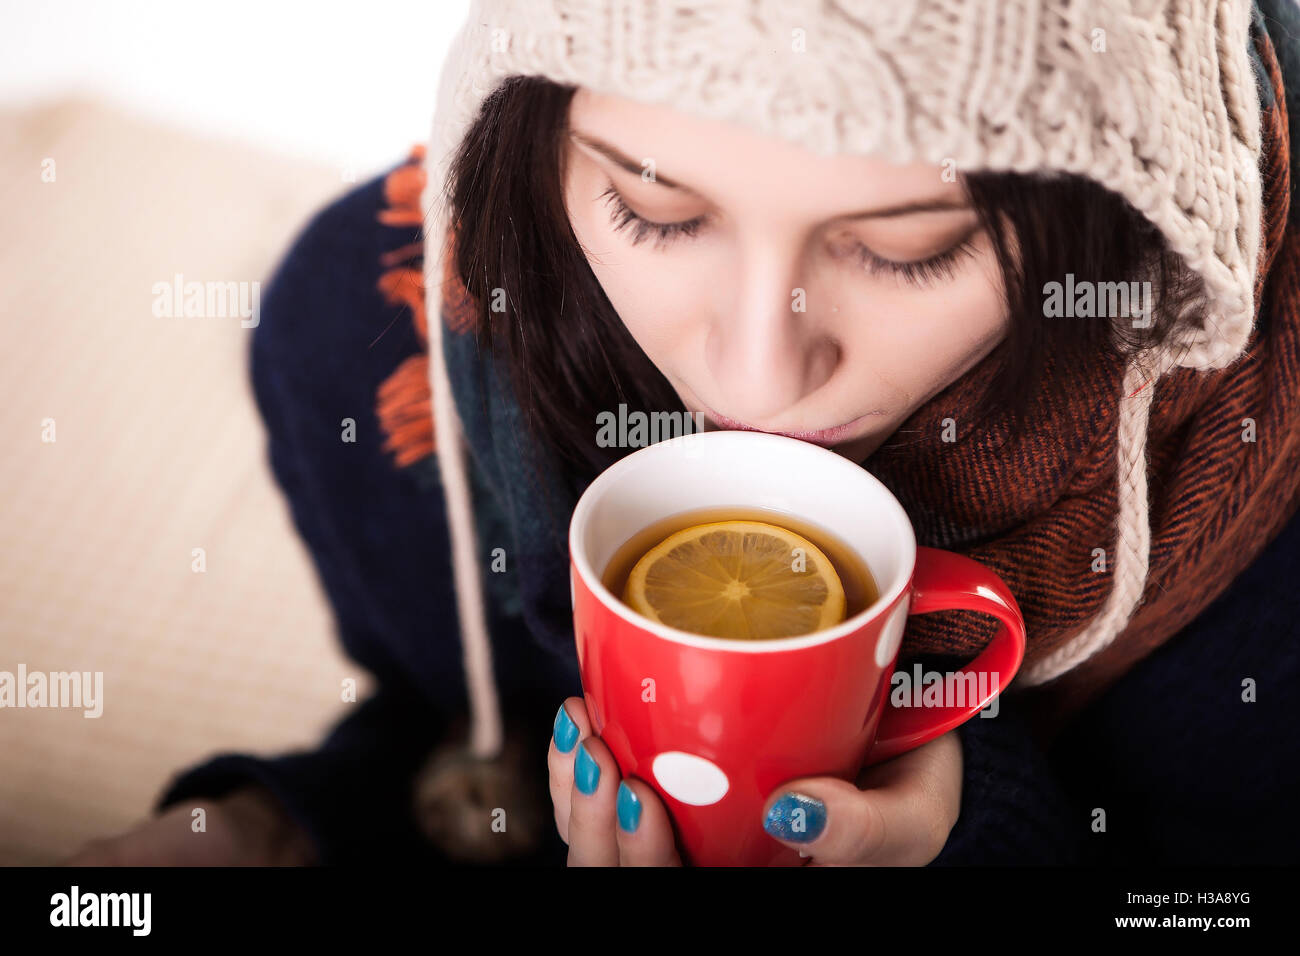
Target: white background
(343, 83)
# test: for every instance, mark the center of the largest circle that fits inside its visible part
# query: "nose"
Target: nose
(763, 354)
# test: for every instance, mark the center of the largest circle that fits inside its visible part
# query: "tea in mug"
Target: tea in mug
(742, 573)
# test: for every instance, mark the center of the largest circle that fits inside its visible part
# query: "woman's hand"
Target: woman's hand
(247, 827)
(899, 813)
(589, 798)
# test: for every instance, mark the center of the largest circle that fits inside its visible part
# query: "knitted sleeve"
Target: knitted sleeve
(376, 536)
(1014, 811)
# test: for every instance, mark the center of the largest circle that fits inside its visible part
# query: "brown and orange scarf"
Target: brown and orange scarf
(1035, 506)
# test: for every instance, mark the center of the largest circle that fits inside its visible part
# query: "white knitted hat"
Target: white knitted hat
(1154, 99)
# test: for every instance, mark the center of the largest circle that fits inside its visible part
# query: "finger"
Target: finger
(592, 840)
(134, 847)
(571, 725)
(645, 833)
(901, 818)
(102, 851)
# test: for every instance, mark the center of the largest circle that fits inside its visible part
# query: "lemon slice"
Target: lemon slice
(747, 580)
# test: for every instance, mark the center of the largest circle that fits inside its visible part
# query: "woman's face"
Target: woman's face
(774, 288)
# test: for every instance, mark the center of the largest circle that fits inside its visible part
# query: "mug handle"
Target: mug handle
(944, 581)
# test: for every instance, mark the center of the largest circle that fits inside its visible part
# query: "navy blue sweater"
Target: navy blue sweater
(1185, 770)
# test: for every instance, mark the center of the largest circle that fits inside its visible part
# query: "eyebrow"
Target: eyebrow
(628, 164)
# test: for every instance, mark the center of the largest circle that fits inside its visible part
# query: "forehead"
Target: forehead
(734, 166)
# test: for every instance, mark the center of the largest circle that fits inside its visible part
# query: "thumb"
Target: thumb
(902, 820)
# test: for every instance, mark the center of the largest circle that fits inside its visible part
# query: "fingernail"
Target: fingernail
(586, 772)
(797, 818)
(629, 808)
(566, 731)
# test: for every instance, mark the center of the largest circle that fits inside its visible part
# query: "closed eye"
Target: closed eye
(917, 272)
(623, 218)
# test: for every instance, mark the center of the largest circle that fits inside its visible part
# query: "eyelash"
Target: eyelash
(622, 217)
(921, 272)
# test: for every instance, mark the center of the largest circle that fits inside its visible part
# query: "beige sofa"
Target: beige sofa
(158, 450)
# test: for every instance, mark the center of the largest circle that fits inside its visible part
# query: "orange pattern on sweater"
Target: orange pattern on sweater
(404, 405)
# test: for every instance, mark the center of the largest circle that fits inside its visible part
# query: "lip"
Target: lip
(824, 436)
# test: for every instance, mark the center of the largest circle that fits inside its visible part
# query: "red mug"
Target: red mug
(716, 725)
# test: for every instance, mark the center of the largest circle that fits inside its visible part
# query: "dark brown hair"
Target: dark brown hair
(571, 357)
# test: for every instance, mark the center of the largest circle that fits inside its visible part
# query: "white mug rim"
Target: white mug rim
(851, 625)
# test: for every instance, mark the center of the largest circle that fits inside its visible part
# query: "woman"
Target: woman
(1031, 271)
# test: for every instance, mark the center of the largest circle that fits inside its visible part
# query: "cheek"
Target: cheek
(921, 340)
(664, 307)
(663, 298)
(664, 317)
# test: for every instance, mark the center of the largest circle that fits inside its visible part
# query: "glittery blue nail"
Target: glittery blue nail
(796, 818)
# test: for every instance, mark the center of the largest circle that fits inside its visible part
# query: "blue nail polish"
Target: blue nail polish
(629, 808)
(586, 772)
(797, 818)
(566, 731)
